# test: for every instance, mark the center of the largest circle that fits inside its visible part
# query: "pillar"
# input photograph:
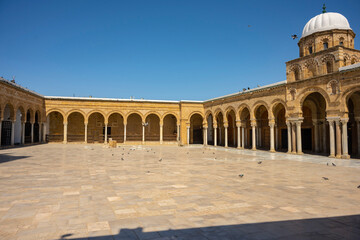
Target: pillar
(86, 125)
(23, 133)
(238, 136)
(298, 137)
(332, 138)
(188, 135)
(44, 133)
(272, 140)
(288, 124)
(276, 137)
(178, 133)
(338, 139)
(215, 136)
(316, 135)
(124, 132)
(226, 136)
(105, 137)
(324, 138)
(253, 125)
(243, 137)
(65, 133)
(143, 133)
(161, 133)
(12, 132)
(32, 132)
(293, 137)
(345, 153)
(205, 135)
(0, 130)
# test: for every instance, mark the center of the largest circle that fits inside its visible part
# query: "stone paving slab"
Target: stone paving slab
(76, 191)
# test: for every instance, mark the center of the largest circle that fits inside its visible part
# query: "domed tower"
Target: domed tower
(326, 44)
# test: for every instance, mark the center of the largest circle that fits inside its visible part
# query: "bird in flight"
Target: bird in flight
(294, 36)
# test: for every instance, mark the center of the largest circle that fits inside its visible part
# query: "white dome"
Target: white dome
(325, 21)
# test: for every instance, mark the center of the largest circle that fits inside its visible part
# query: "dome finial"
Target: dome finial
(324, 8)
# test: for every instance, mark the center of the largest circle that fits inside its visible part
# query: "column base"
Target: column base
(253, 149)
(338, 156)
(332, 155)
(293, 152)
(346, 156)
(273, 150)
(64, 142)
(299, 153)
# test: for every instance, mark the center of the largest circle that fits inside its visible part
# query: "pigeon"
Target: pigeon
(241, 175)
(148, 171)
(358, 186)
(327, 164)
(213, 152)
(122, 154)
(122, 159)
(259, 162)
(187, 153)
(325, 178)
(294, 36)
(160, 159)
(112, 154)
(203, 152)
(333, 164)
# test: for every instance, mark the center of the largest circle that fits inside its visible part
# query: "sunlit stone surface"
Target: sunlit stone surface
(71, 191)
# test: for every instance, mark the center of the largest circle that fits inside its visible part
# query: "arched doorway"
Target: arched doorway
(170, 128)
(56, 127)
(134, 127)
(96, 128)
(196, 129)
(232, 133)
(76, 127)
(28, 126)
(353, 126)
(262, 128)
(37, 127)
(210, 131)
(116, 125)
(6, 125)
(281, 133)
(152, 128)
(246, 132)
(314, 130)
(220, 129)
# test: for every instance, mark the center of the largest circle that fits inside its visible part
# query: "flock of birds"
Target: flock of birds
(240, 175)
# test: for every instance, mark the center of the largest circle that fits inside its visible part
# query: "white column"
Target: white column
(86, 125)
(161, 133)
(276, 137)
(12, 132)
(23, 133)
(316, 135)
(338, 139)
(332, 138)
(243, 137)
(272, 142)
(358, 136)
(298, 137)
(105, 137)
(215, 136)
(65, 133)
(324, 137)
(345, 153)
(124, 132)
(226, 136)
(293, 137)
(238, 137)
(253, 125)
(205, 137)
(288, 124)
(32, 132)
(143, 133)
(234, 135)
(178, 133)
(188, 135)
(44, 133)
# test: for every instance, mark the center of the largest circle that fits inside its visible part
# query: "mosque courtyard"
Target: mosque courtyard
(78, 191)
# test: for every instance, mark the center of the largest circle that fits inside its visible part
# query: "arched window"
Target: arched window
(296, 74)
(329, 67)
(326, 45)
(310, 50)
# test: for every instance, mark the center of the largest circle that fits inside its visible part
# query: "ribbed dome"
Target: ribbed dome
(325, 21)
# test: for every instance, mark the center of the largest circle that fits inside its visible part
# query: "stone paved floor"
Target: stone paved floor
(77, 191)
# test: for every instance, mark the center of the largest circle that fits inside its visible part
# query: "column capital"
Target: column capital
(188, 127)
(253, 122)
(226, 125)
(357, 119)
(271, 124)
(215, 126)
(238, 124)
(344, 120)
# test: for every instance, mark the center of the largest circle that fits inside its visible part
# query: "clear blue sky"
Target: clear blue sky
(152, 49)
